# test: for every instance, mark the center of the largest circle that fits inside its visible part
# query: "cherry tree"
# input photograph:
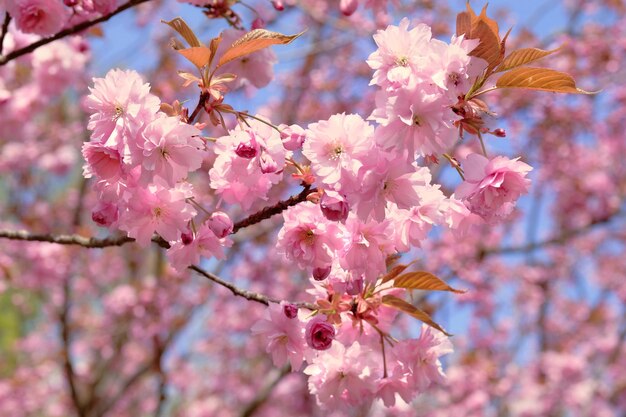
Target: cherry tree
(312, 208)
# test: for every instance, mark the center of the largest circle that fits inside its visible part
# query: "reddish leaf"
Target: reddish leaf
(543, 79)
(489, 46)
(421, 280)
(522, 57)
(198, 55)
(463, 24)
(253, 41)
(399, 304)
(180, 26)
(394, 272)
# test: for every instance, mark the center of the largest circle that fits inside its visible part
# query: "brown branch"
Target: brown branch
(279, 207)
(68, 368)
(65, 32)
(203, 98)
(86, 242)
(264, 394)
(5, 29)
(248, 295)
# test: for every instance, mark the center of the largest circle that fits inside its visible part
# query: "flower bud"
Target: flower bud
(319, 334)
(292, 137)
(258, 23)
(278, 5)
(334, 206)
(104, 214)
(348, 6)
(248, 147)
(220, 224)
(267, 163)
(186, 237)
(320, 274)
(290, 310)
(501, 133)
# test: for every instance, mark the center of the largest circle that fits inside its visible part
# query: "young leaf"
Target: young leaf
(399, 304)
(180, 26)
(489, 46)
(253, 41)
(421, 280)
(543, 79)
(198, 55)
(394, 272)
(522, 57)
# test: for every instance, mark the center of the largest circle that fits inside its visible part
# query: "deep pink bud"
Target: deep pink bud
(267, 163)
(247, 148)
(334, 206)
(220, 224)
(501, 133)
(290, 310)
(319, 334)
(70, 3)
(348, 6)
(186, 237)
(104, 214)
(320, 274)
(258, 23)
(278, 5)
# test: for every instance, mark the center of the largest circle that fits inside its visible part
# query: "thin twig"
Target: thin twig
(65, 32)
(264, 394)
(5, 29)
(86, 242)
(248, 295)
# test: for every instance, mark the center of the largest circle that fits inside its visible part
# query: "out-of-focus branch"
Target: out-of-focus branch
(248, 295)
(66, 32)
(68, 368)
(264, 394)
(556, 240)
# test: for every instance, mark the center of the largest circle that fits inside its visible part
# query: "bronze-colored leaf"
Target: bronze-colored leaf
(198, 55)
(463, 24)
(422, 280)
(253, 41)
(399, 304)
(543, 79)
(522, 57)
(180, 26)
(394, 272)
(489, 46)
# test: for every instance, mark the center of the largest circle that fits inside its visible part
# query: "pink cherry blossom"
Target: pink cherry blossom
(492, 187)
(42, 17)
(319, 333)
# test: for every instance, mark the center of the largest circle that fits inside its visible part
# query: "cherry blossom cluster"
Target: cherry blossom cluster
(373, 202)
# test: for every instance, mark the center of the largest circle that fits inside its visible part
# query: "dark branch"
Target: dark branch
(66, 32)
(5, 29)
(279, 207)
(248, 295)
(86, 242)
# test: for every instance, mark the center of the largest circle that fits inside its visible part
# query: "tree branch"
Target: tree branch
(5, 29)
(86, 242)
(248, 295)
(279, 207)
(65, 32)
(264, 394)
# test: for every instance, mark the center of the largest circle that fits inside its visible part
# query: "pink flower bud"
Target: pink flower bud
(320, 274)
(292, 137)
(319, 334)
(290, 310)
(220, 224)
(258, 23)
(348, 6)
(501, 133)
(334, 206)
(268, 165)
(186, 237)
(278, 5)
(104, 214)
(247, 148)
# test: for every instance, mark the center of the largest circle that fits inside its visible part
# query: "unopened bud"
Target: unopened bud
(290, 310)
(278, 5)
(348, 6)
(334, 206)
(292, 137)
(186, 237)
(104, 214)
(322, 273)
(220, 224)
(267, 163)
(501, 133)
(258, 23)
